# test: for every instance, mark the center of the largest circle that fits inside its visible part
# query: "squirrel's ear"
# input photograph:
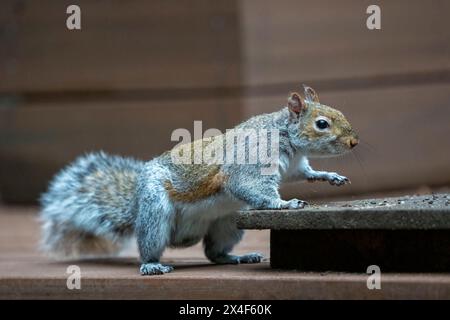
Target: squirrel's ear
(296, 104)
(310, 94)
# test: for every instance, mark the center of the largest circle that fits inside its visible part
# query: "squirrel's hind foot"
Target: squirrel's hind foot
(148, 269)
(253, 257)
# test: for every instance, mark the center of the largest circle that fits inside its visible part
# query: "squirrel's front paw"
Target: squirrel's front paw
(148, 269)
(332, 177)
(337, 180)
(293, 204)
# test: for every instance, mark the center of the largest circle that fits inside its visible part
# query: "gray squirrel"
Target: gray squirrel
(100, 200)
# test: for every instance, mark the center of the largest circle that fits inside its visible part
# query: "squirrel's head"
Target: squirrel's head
(316, 128)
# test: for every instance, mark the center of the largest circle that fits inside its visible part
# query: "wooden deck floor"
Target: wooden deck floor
(26, 273)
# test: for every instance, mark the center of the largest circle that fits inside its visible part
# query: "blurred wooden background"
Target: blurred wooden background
(140, 69)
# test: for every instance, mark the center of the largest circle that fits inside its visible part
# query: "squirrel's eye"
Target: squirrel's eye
(322, 124)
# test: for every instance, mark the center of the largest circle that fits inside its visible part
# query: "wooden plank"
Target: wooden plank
(404, 133)
(132, 44)
(26, 273)
(289, 41)
(162, 44)
(38, 139)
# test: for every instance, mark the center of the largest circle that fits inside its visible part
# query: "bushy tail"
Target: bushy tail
(63, 242)
(88, 209)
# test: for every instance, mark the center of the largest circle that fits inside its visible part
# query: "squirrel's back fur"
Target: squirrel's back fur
(88, 207)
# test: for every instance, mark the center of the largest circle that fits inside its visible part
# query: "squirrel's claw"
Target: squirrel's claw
(337, 180)
(294, 204)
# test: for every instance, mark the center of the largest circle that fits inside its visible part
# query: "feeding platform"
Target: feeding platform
(410, 233)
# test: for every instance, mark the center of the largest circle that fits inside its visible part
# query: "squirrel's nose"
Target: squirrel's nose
(352, 142)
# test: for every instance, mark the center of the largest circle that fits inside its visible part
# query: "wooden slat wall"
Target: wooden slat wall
(393, 84)
(122, 45)
(136, 71)
(139, 69)
(288, 41)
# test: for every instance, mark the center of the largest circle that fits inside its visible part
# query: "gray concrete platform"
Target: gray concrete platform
(406, 234)
(408, 212)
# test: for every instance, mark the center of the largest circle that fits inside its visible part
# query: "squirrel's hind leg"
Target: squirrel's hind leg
(154, 221)
(153, 228)
(222, 236)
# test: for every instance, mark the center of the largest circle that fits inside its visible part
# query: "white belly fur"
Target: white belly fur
(193, 219)
(290, 167)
